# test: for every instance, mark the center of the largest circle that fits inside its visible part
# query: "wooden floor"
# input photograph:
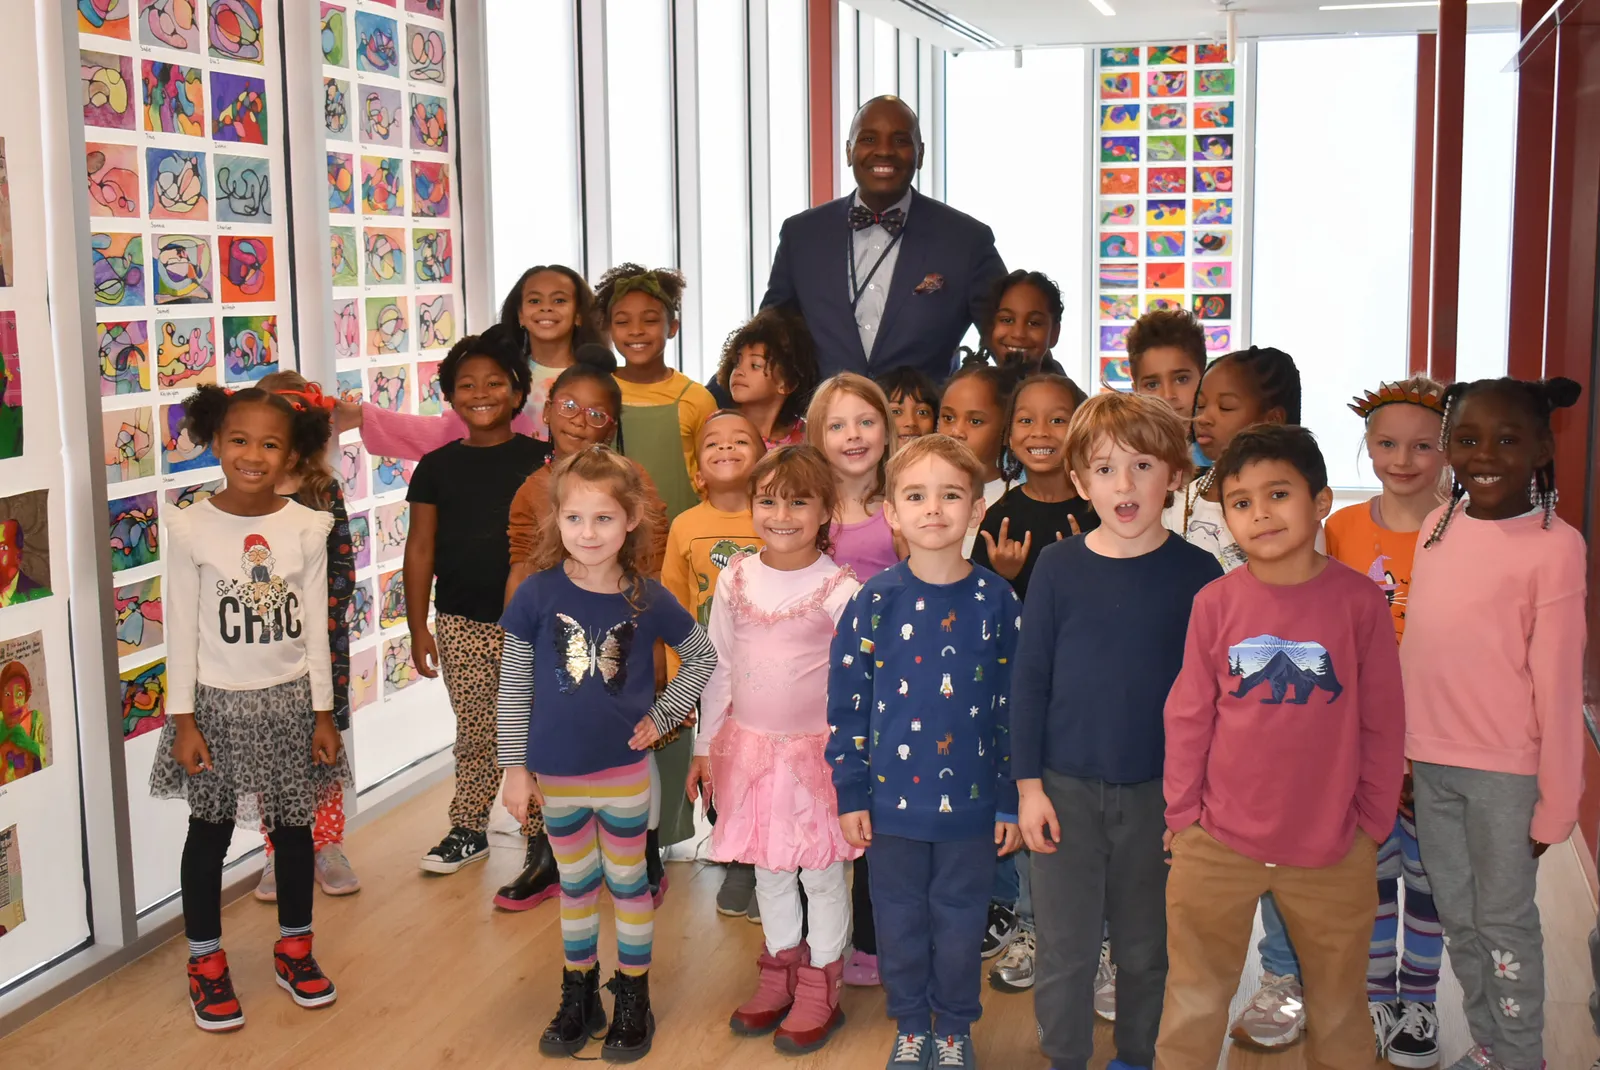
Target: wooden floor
(430, 975)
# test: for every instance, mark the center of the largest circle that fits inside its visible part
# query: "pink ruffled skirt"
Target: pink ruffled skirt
(776, 805)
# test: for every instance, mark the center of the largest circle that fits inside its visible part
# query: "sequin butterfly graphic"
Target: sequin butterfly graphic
(583, 655)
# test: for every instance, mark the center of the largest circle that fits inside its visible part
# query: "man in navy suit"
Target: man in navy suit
(884, 277)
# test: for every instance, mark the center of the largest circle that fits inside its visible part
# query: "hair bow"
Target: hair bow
(310, 397)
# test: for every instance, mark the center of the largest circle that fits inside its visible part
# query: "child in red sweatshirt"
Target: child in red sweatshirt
(1285, 732)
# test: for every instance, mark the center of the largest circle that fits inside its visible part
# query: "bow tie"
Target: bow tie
(862, 217)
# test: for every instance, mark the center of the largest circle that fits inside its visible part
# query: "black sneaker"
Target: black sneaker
(456, 850)
(1002, 929)
(582, 1016)
(632, 1024)
(1415, 1040)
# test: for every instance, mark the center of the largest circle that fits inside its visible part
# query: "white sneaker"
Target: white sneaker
(1383, 1023)
(1276, 1017)
(1105, 985)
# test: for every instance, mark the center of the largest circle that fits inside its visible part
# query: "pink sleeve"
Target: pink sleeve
(1191, 720)
(1555, 661)
(1383, 722)
(717, 698)
(410, 438)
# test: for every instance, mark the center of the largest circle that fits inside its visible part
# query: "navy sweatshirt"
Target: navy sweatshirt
(1102, 642)
(917, 689)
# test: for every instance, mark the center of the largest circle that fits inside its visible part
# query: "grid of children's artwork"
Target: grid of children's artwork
(1166, 131)
(389, 117)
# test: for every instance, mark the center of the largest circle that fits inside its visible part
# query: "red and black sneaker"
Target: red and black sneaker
(216, 1008)
(298, 973)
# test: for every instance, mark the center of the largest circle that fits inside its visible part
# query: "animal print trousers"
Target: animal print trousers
(469, 657)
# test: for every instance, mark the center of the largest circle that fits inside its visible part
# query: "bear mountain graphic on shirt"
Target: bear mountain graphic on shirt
(1277, 671)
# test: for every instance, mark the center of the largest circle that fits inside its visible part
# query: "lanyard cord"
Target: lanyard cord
(856, 290)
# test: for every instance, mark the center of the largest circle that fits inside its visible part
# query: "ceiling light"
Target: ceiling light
(1398, 3)
(1102, 7)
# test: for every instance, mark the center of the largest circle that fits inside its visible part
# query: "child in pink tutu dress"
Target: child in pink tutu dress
(764, 730)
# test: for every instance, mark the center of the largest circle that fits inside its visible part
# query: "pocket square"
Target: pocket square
(930, 282)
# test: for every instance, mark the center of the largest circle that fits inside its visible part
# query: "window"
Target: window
(1486, 169)
(724, 285)
(849, 92)
(885, 59)
(789, 135)
(639, 133)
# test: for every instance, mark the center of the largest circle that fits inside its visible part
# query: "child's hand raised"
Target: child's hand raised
(857, 828)
(425, 652)
(520, 785)
(1007, 837)
(645, 734)
(189, 747)
(1036, 819)
(698, 786)
(1007, 555)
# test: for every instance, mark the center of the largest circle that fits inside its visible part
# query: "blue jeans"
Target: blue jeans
(1277, 954)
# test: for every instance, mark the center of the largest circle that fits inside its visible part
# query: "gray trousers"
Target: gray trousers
(1472, 828)
(1109, 864)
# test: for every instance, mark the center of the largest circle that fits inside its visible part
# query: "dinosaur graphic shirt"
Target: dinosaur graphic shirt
(701, 543)
(1286, 726)
(1357, 539)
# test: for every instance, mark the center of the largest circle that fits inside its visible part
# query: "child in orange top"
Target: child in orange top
(769, 368)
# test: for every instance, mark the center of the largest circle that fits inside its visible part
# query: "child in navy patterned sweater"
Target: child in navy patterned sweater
(921, 667)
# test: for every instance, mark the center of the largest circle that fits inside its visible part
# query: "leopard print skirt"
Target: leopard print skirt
(262, 771)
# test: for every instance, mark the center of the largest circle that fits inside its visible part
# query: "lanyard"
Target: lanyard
(857, 289)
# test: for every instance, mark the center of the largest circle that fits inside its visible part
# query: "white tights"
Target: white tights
(827, 910)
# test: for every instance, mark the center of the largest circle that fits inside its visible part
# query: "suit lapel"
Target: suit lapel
(836, 290)
(910, 265)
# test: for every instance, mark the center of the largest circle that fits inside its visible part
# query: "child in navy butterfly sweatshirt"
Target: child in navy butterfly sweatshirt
(920, 748)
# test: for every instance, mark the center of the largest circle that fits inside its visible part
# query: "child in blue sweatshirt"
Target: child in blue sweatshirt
(920, 749)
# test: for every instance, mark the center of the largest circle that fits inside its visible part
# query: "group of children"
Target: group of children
(642, 603)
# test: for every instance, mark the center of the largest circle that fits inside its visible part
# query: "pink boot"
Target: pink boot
(774, 994)
(815, 1014)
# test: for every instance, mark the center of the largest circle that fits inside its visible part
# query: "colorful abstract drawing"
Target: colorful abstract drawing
(170, 24)
(389, 387)
(1119, 150)
(1166, 83)
(1218, 83)
(336, 108)
(361, 616)
(335, 39)
(390, 525)
(180, 264)
(1119, 213)
(1164, 213)
(8, 263)
(346, 329)
(390, 473)
(113, 173)
(1114, 339)
(186, 353)
(1163, 276)
(1119, 116)
(381, 192)
(249, 347)
(107, 89)
(430, 123)
(1213, 276)
(342, 249)
(1218, 116)
(1166, 148)
(424, 54)
(350, 387)
(1219, 338)
(431, 257)
(1213, 179)
(399, 671)
(124, 357)
(1212, 211)
(129, 444)
(179, 450)
(1213, 52)
(1116, 373)
(1118, 307)
(430, 400)
(107, 18)
(1163, 303)
(10, 388)
(176, 183)
(144, 699)
(430, 189)
(341, 183)
(248, 271)
(353, 471)
(391, 598)
(238, 108)
(363, 677)
(174, 99)
(375, 44)
(385, 255)
(138, 612)
(24, 547)
(183, 497)
(387, 333)
(426, 7)
(381, 121)
(132, 534)
(1119, 57)
(1212, 306)
(118, 261)
(1167, 117)
(235, 30)
(25, 745)
(436, 321)
(1119, 180)
(1166, 55)
(1213, 146)
(1118, 245)
(1213, 242)
(1118, 86)
(243, 189)
(1163, 243)
(1119, 276)
(1166, 180)
(361, 539)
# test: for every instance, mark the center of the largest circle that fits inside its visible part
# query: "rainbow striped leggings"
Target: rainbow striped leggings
(597, 827)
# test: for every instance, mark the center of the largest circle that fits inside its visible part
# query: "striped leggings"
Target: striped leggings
(597, 827)
(1418, 977)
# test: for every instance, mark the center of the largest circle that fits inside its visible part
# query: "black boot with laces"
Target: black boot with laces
(582, 1016)
(632, 1024)
(538, 881)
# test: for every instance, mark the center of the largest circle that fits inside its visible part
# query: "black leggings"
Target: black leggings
(864, 936)
(203, 855)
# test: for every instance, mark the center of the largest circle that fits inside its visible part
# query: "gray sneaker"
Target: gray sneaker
(1105, 985)
(1276, 1017)
(738, 891)
(752, 913)
(1014, 971)
(267, 890)
(334, 875)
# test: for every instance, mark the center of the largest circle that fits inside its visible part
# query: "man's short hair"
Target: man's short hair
(943, 447)
(1275, 442)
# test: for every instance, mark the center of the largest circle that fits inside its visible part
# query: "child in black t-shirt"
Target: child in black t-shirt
(460, 511)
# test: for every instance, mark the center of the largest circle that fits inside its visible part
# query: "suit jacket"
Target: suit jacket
(811, 272)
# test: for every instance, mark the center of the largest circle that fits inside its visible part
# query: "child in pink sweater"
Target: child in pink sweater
(1493, 664)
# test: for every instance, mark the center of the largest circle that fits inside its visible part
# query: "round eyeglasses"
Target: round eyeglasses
(571, 410)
